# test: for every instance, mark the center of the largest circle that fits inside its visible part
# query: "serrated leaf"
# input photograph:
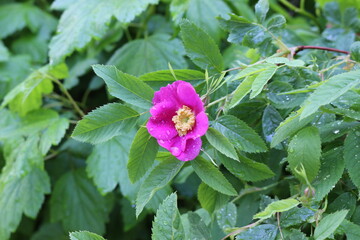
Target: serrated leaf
(226, 216)
(210, 199)
(352, 157)
(125, 87)
(278, 206)
(27, 96)
(255, 69)
(159, 49)
(74, 193)
(212, 176)
(104, 165)
(271, 119)
(240, 134)
(198, 228)
(351, 230)
(264, 231)
(290, 126)
(221, 143)
(167, 223)
(142, 154)
(295, 216)
(85, 235)
(159, 177)
(104, 123)
(246, 169)
(331, 170)
(336, 129)
(333, 88)
(201, 48)
(77, 27)
(241, 91)
(355, 51)
(261, 80)
(329, 224)
(304, 151)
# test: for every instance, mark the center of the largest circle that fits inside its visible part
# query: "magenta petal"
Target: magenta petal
(201, 126)
(189, 97)
(168, 93)
(161, 128)
(164, 110)
(191, 151)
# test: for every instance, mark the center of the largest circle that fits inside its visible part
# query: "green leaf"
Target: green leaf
(290, 126)
(198, 228)
(4, 53)
(159, 177)
(351, 230)
(212, 176)
(142, 154)
(125, 87)
(305, 150)
(261, 80)
(201, 48)
(221, 143)
(331, 170)
(329, 224)
(210, 199)
(85, 235)
(336, 129)
(241, 91)
(74, 193)
(333, 88)
(261, 9)
(150, 54)
(226, 216)
(247, 169)
(271, 119)
(355, 51)
(295, 216)
(239, 134)
(351, 156)
(278, 206)
(104, 165)
(264, 231)
(27, 96)
(167, 223)
(77, 27)
(254, 69)
(104, 123)
(15, 16)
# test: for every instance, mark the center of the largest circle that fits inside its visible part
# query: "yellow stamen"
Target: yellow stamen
(184, 120)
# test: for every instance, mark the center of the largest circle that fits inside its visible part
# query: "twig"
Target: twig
(278, 222)
(243, 229)
(300, 48)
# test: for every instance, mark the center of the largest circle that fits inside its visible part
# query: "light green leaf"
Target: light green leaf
(329, 224)
(246, 169)
(212, 176)
(4, 53)
(85, 235)
(142, 154)
(239, 134)
(159, 177)
(355, 51)
(104, 165)
(261, 80)
(150, 54)
(331, 170)
(254, 69)
(278, 206)
(167, 223)
(333, 88)
(15, 16)
(290, 126)
(352, 157)
(198, 228)
(261, 9)
(241, 91)
(85, 20)
(27, 96)
(74, 193)
(201, 48)
(226, 216)
(336, 129)
(210, 199)
(125, 87)
(104, 123)
(351, 230)
(305, 150)
(221, 143)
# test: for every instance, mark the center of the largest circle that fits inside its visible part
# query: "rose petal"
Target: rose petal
(161, 128)
(188, 96)
(168, 93)
(164, 110)
(201, 126)
(191, 151)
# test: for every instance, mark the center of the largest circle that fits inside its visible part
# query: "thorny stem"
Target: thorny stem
(301, 11)
(300, 48)
(239, 230)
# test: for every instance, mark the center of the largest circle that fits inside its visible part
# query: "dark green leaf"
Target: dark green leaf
(295, 216)
(352, 157)
(265, 231)
(142, 154)
(210, 199)
(355, 51)
(198, 229)
(84, 235)
(104, 123)
(226, 216)
(329, 224)
(212, 176)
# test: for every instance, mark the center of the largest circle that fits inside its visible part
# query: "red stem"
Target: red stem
(300, 48)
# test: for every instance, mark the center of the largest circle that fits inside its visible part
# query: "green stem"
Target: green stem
(217, 101)
(301, 11)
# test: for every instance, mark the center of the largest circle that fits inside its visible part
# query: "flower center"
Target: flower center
(184, 120)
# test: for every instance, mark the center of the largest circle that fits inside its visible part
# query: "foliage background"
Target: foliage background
(289, 146)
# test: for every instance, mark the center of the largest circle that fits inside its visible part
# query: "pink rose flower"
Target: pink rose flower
(178, 120)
